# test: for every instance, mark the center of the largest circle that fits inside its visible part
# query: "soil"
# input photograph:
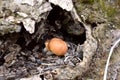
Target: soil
(24, 55)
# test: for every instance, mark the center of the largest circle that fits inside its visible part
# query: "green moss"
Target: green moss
(111, 11)
(88, 1)
(108, 9)
(118, 26)
(100, 10)
(80, 7)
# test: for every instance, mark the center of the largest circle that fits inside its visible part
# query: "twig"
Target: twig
(110, 53)
(48, 64)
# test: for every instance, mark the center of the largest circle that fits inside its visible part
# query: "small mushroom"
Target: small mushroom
(57, 46)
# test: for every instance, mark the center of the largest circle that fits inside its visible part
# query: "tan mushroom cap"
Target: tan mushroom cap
(57, 46)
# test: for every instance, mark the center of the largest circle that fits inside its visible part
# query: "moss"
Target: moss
(111, 11)
(88, 1)
(108, 9)
(118, 27)
(100, 11)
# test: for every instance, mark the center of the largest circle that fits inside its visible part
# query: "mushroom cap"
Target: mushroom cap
(57, 46)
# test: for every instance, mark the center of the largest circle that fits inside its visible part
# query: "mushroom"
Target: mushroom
(57, 46)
